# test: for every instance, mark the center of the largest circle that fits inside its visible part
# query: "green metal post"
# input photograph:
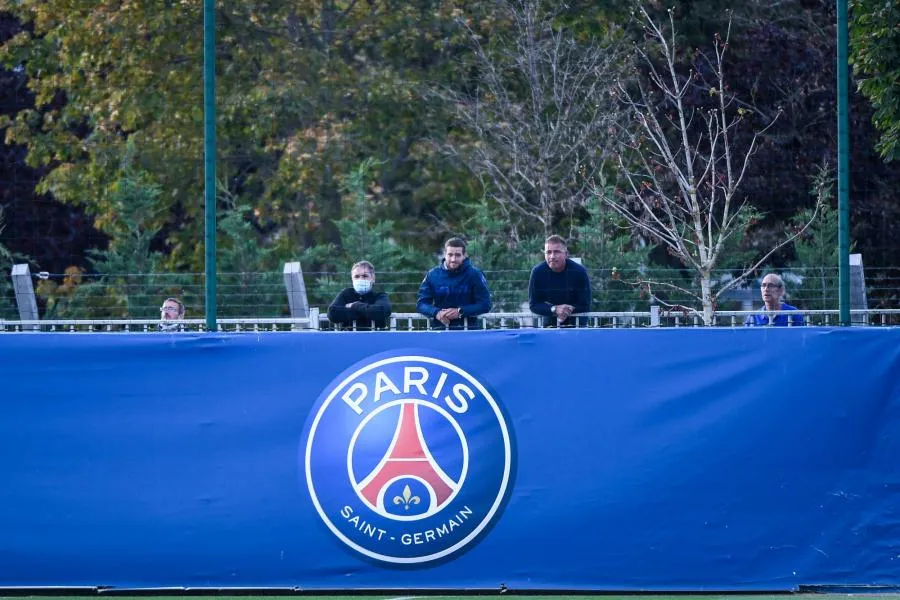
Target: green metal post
(209, 149)
(843, 127)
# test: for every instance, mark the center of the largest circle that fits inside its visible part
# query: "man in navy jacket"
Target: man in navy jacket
(454, 292)
(559, 287)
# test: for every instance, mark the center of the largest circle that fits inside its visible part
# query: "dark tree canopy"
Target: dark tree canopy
(309, 90)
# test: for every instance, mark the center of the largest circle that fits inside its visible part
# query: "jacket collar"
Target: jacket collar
(462, 268)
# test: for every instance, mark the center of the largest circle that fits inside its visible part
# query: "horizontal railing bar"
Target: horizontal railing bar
(417, 318)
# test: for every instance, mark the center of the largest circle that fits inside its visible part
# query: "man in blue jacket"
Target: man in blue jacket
(772, 290)
(559, 287)
(454, 292)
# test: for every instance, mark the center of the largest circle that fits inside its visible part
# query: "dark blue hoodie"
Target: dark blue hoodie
(465, 288)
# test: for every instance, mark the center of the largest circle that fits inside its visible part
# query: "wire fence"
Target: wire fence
(264, 295)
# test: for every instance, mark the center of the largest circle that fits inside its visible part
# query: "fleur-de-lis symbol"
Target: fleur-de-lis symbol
(407, 499)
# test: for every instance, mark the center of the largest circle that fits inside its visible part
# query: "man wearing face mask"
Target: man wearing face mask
(361, 306)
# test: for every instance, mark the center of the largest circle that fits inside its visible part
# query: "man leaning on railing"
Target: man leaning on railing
(559, 287)
(454, 293)
(361, 305)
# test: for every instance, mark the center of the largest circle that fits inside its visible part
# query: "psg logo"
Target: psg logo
(407, 459)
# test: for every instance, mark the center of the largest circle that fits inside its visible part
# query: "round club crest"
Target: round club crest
(407, 459)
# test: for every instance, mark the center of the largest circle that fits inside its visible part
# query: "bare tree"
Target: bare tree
(539, 113)
(681, 165)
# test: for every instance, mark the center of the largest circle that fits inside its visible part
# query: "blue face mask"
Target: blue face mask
(362, 286)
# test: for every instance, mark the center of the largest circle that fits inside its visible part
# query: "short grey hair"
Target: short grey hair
(179, 303)
(364, 264)
(774, 276)
(557, 239)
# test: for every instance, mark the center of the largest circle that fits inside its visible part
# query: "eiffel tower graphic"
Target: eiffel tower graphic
(408, 456)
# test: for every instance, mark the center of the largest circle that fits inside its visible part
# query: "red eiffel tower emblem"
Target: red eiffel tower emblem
(407, 457)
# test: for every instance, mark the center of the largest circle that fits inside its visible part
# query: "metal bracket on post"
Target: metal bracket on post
(296, 291)
(654, 315)
(25, 298)
(858, 299)
(314, 317)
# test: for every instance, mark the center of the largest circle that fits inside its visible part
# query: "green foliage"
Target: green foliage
(817, 251)
(305, 91)
(249, 277)
(130, 280)
(506, 261)
(308, 90)
(616, 261)
(398, 268)
(128, 283)
(361, 234)
(875, 56)
(7, 296)
(817, 261)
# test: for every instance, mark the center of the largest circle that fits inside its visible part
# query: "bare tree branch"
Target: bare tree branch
(539, 116)
(679, 163)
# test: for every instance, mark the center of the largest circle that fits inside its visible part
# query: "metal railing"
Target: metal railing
(290, 293)
(416, 322)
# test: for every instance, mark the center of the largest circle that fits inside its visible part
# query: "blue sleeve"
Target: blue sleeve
(583, 294)
(482, 296)
(425, 299)
(797, 320)
(537, 306)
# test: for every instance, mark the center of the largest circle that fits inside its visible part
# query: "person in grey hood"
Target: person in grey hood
(454, 293)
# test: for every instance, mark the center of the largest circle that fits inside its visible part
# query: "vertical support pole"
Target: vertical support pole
(209, 164)
(843, 128)
(654, 315)
(858, 298)
(314, 318)
(25, 299)
(296, 290)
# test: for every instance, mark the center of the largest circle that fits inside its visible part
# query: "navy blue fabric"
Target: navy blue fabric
(367, 309)
(710, 459)
(465, 288)
(547, 288)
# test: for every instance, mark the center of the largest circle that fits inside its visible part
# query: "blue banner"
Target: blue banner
(657, 460)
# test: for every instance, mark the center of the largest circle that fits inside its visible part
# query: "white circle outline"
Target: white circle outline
(501, 492)
(354, 483)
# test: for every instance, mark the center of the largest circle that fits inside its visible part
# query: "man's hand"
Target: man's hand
(356, 305)
(445, 315)
(563, 311)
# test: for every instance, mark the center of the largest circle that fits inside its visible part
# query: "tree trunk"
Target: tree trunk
(707, 299)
